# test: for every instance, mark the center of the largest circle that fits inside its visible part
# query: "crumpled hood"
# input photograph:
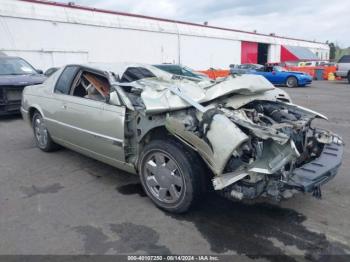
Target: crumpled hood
(158, 97)
(21, 80)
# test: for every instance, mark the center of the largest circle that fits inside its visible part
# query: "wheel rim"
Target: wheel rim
(290, 82)
(163, 177)
(40, 131)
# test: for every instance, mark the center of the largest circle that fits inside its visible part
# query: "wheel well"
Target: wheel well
(292, 76)
(31, 111)
(159, 132)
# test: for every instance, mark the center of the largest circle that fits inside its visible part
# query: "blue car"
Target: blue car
(278, 76)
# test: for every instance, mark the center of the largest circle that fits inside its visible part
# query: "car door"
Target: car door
(268, 73)
(95, 127)
(89, 126)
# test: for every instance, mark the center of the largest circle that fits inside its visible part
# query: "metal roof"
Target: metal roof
(301, 52)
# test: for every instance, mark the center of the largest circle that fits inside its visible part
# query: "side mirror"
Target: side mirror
(113, 99)
(39, 71)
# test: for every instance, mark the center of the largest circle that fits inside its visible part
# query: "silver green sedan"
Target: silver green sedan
(240, 135)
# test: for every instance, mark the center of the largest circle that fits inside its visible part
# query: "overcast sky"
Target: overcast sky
(319, 20)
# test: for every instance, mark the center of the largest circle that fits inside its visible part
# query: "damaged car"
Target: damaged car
(240, 136)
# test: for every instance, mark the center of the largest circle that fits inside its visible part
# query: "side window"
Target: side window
(91, 86)
(135, 73)
(345, 59)
(65, 80)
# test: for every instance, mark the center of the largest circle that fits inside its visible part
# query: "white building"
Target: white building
(52, 34)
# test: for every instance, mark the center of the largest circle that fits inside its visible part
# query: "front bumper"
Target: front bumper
(25, 115)
(10, 99)
(10, 108)
(312, 175)
(305, 81)
(342, 74)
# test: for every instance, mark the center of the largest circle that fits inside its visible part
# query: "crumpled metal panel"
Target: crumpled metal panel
(158, 98)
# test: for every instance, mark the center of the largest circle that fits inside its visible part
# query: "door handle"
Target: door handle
(64, 107)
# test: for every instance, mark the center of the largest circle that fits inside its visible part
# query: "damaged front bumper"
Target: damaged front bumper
(312, 175)
(307, 178)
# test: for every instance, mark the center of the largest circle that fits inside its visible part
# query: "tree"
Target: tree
(332, 51)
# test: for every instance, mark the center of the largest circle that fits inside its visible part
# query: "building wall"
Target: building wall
(50, 35)
(204, 53)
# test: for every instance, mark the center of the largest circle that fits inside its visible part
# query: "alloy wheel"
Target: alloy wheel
(40, 131)
(163, 177)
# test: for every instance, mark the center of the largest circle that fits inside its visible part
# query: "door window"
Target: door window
(65, 80)
(91, 86)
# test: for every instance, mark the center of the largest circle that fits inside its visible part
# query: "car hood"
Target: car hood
(21, 80)
(161, 95)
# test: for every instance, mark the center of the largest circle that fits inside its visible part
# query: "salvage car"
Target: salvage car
(240, 136)
(15, 74)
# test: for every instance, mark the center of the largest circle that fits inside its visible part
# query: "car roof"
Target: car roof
(11, 57)
(167, 65)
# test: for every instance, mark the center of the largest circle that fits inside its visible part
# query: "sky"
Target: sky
(318, 20)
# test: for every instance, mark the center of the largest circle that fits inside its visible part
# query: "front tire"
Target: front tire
(41, 134)
(292, 82)
(349, 77)
(171, 175)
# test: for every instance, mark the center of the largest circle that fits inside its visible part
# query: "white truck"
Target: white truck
(343, 67)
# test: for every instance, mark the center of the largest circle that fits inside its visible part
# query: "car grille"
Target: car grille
(11, 93)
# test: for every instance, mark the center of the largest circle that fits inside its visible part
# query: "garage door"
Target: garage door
(249, 53)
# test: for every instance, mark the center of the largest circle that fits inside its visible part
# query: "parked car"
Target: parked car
(15, 74)
(244, 68)
(181, 71)
(312, 63)
(50, 71)
(279, 76)
(241, 136)
(343, 67)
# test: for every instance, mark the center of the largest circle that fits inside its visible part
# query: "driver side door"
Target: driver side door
(92, 127)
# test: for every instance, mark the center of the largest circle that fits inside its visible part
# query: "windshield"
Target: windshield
(190, 72)
(279, 69)
(15, 66)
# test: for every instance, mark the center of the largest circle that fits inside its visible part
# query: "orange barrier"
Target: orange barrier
(311, 70)
(213, 73)
(327, 70)
(305, 69)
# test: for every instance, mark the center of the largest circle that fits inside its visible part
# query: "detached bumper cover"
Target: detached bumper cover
(319, 171)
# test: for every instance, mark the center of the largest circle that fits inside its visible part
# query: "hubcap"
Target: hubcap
(163, 177)
(40, 131)
(290, 82)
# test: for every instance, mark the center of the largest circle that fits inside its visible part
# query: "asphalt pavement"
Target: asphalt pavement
(65, 203)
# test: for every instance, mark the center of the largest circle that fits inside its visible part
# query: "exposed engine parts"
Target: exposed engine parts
(254, 146)
(277, 140)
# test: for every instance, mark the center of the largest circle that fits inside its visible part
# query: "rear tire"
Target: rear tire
(41, 134)
(171, 175)
(292, 82)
